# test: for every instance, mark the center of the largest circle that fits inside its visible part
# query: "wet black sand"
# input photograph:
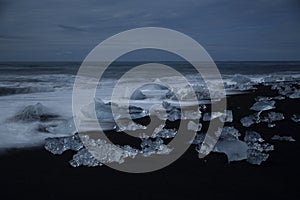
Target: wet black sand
(35, 173)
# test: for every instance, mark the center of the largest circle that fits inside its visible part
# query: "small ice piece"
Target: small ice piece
(128, 125)
(242, 82)
(296, 118)
(152, 146)
(211, 116)
(174, 114)
(66, 127)
(228, 116)
(283, 138)
(256, 157)
(84, 158)
(229, 133)
(224, 117)
(103, 151)
(37, 112)
(251, 119)
(263, 105)
(252, 136)
(295, 94)
(192, 126)
(235, 150)
(199, 138)
(257, 152)
(60, 144)
(164, 133)
(273, 116)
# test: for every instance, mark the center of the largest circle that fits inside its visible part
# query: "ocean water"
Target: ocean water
(51, 84)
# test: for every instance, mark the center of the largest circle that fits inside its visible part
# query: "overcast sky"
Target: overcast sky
(51, 30)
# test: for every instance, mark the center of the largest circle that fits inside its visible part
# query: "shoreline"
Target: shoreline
(38, 173)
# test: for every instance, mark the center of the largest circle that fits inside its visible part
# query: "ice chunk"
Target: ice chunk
(164, 133)
(65, 127)
(84, 158)
(229, 133)
(296, 117)
(199, 138)
(224, 117)
(235, 150)
(256, 157)
(263, 105)
(251, 119)
(151, 146)
(273, 116)
(60, 144)
(283, 138)
(192, 126)
(151, 91)
(128, 125)
(105, 152)
(252, 136)
(257, 152)
(211, 116)
(295, 94)
(256, 118)
(37, 112)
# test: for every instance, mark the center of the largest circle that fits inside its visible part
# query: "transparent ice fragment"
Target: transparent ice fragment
(224, 117)
(164, 133)
(103, 151)
(154, 146)
(296, 117)
(263, 105)
(235, 150)
(229, 133)
(283, 138)
(84, 158)
(251, 119)
(199, 138)
(192, 126)
(60, 144)
(65, 127)
(252, 136)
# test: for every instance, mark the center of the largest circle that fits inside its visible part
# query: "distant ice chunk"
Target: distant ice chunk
(296, 117)
(242, 82)
(263, 105)
(59, 145)
(37, 112)
(283, 138)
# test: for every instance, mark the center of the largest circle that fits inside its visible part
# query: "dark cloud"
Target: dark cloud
(228, 29)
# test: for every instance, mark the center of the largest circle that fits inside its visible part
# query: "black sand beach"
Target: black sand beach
(36, 173)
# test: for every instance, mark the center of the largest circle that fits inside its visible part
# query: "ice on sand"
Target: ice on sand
(263, 105)
(296, 117)
(59, 145)
(224, 117)
(283, 138)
